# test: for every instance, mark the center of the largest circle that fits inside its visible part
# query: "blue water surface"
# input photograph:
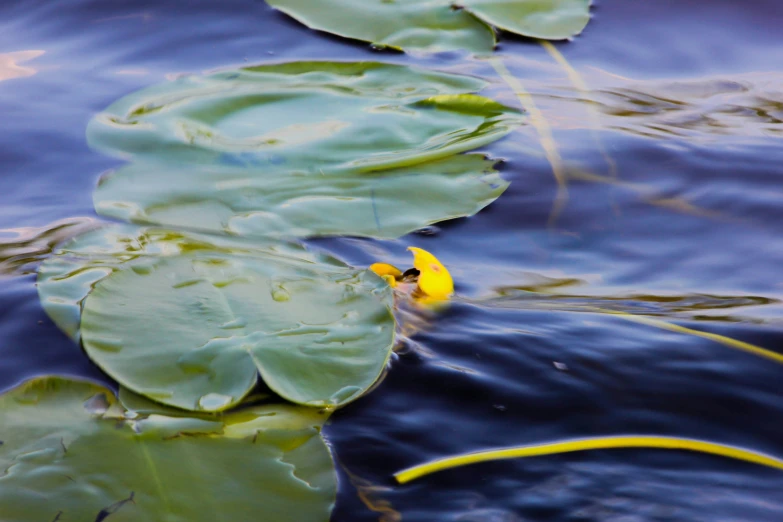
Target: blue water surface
(668, 119)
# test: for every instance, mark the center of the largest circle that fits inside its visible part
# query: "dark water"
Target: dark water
(671, 206)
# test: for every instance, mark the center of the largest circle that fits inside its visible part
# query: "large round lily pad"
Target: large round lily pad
(194, 331)
(191, 323)
(439, 25)
(250, 201)
(305, 118)
(70, 453)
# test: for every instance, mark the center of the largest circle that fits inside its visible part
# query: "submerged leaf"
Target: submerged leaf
(190, 322)
(69, 453)
(620, 441)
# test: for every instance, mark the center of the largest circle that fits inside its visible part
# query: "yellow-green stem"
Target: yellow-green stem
(619, 441)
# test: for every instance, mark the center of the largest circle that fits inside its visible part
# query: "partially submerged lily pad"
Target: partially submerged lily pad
(253, 202)
(70, 452)
(310, 118)
(192, 326)
(439, 25)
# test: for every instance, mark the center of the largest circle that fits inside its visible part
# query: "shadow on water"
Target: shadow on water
(680, 224)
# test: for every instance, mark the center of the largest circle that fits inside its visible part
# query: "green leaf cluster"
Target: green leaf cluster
(196, 320)
(302, 149)
(198, 315)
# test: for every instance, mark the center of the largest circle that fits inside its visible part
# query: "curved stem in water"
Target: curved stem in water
(593, 443)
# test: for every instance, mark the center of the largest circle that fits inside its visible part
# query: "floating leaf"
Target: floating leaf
(254, 202)
(414, 25)
(620, 441)
(546, 19)
(439, 25)
(310, 118)
(191, 324)
(70, 453)
(194, 331)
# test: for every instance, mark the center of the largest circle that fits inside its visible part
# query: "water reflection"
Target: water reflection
(700, 109)
(22, 248)
(551, 293)
(747, 106)
(9, 64)
(572, 111)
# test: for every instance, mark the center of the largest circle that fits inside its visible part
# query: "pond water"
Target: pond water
(667, 118)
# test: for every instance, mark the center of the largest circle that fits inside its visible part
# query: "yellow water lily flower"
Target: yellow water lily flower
(434, 280)
(387, 272)
(383, 269)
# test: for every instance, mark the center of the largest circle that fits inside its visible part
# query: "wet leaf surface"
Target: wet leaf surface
(257, 202)
(546, 19)
(303, 149)
(190, 321)
(70, 452)
(305, 118)
(428, 26)
(69, 274)
(440, 25)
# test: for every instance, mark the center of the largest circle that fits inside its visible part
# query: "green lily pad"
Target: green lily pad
(412, 25)
(439, 25)
(311, 118)
(545, 19)
(71, 453)
(251, 202)
(194, 331)
(191, 324)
